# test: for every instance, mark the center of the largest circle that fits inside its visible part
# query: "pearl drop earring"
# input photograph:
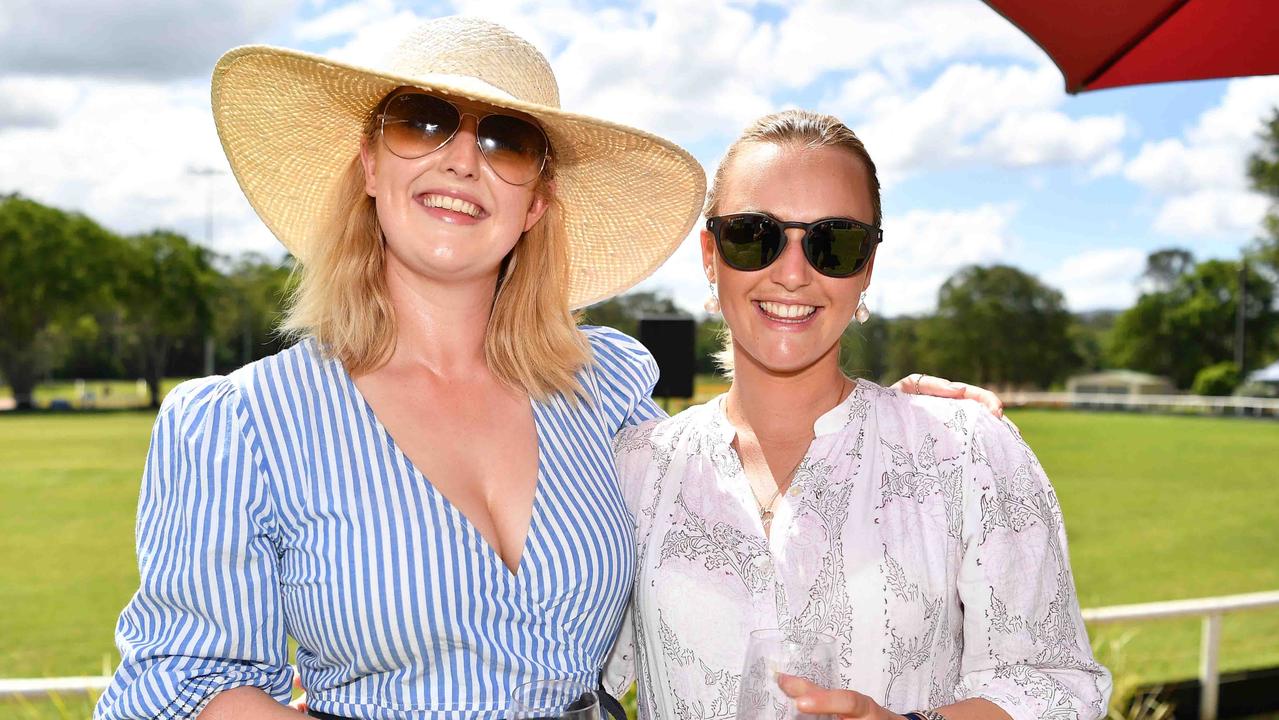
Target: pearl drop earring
(863, 313)
(711, 306)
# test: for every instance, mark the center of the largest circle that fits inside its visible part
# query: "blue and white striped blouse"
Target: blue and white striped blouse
(274, 503)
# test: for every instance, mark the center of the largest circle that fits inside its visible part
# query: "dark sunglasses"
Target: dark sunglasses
(835, 247)
(415, 124)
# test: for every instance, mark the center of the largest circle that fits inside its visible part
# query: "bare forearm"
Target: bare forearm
(246, 703)
(974, 709)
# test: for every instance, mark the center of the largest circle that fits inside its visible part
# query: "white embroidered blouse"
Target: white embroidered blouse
(921, 533)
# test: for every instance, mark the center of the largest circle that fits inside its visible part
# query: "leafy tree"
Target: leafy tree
(1090, 332)
(864, 348)
(250, 305)
(907, 351)
(54, 267)
(1191, 326)
(1263, 165)
(624, 311)
(1164, 267)
(168, 295)
(1000, 326)
(1263, 173)
(1219, 379)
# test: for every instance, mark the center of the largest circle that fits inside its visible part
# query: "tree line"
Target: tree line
(79, 301)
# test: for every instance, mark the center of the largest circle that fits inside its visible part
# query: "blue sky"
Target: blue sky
(104, 109)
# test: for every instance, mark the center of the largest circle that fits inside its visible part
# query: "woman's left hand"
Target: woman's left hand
(816, 700)
(921, 384)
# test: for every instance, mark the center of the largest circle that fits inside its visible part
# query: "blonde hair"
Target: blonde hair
(341, 299)
(798, 128)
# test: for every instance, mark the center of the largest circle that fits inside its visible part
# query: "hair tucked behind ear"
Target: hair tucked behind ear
(800, 128)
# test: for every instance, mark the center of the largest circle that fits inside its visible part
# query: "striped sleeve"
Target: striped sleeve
(627, 375)
(206, 616)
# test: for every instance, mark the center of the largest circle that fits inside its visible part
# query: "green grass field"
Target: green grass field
(1156, 508)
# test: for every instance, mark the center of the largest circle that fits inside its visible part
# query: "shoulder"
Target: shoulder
(922, 415)
(615, 349)
(248, 389)
(190, 401)
(625, 369)
(301, 364)
(665, 432)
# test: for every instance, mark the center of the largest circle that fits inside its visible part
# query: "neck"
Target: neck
(779, 407)
(440, 326)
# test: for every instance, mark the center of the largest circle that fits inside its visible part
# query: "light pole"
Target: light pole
(1240, 316)
(209, 173)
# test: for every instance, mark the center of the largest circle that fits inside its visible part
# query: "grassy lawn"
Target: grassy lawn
(1161, 508)
(1156, 508)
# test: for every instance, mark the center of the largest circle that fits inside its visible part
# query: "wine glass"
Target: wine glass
(554, 700)
(810, 655)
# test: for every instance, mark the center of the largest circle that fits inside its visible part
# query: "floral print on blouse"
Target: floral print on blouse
(921, 533)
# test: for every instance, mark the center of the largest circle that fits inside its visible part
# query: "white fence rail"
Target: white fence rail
(36, 688)
(1201, 403)
(1211, 610)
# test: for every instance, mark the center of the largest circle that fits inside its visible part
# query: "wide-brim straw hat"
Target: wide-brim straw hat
(290, 123)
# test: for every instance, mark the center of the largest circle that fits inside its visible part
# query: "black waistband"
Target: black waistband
(609, 706)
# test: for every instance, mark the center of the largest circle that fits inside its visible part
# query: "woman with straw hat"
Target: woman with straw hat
(421, 492)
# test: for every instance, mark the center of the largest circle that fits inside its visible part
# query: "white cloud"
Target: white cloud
(343, 20)
(34, 102)
(122, 158)
(999, 115)
(1201, 174)
(1212, 212)
(923, 248)
(1172, 167)
(158, 39)
(823, 36)
(1098, 279)
(1108, 164)
(1050, 137)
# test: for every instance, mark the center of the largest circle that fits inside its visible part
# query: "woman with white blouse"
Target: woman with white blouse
(921, 533)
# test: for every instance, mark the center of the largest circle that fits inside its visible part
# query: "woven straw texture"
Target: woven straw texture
(290, 123)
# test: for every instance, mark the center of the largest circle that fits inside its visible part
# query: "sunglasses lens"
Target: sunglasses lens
(416, 124)
(515, 149)
(838, 248)
(749, 242)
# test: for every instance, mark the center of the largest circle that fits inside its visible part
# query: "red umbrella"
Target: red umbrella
(1109, 43)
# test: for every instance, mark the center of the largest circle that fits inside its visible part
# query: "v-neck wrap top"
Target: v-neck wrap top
(275, 504)
(920, 533)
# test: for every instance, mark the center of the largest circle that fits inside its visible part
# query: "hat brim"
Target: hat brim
(290, 124)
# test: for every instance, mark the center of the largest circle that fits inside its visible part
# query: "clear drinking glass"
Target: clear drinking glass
(554, 700)
(810, 655)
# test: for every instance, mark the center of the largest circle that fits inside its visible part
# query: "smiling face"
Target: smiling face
(787, 317)
(447, 216)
